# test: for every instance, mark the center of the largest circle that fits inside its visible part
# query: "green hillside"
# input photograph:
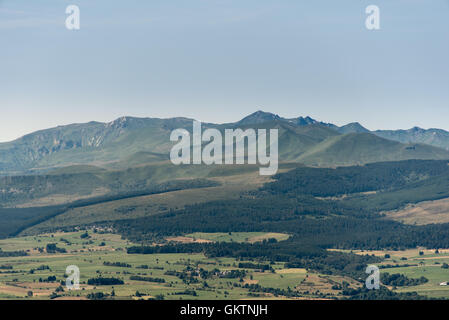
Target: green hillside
(90, 143)
(435, 137)
(76, 182)
(360, 148)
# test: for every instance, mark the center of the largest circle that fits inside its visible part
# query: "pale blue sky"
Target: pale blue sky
(219, 60)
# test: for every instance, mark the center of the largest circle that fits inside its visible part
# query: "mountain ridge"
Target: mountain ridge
(132, 140)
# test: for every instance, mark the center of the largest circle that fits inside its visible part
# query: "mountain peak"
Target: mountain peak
(353, 127)
(416, 129)
(262, 116)
(301, 121)
(259, 117)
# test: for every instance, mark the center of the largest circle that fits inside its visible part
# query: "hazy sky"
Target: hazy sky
(219, 60)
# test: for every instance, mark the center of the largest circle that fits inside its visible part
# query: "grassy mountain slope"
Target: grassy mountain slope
(434, 137)
(68, 184)
(92, 143)
(76, 182)
(231, 188)
(359, 148)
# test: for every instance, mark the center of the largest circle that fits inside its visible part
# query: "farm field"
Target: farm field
(250, 237)
(41, 275)
(416, 263)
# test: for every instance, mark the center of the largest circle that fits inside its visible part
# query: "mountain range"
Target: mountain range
(130, 141)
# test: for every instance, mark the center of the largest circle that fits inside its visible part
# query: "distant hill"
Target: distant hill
(361, 148)
(434, 137)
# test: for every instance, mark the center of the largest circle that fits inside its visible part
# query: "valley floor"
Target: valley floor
(104, 255)
(101, 254)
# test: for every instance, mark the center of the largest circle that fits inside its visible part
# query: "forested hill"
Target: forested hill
(325, 182)
(325, 207)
